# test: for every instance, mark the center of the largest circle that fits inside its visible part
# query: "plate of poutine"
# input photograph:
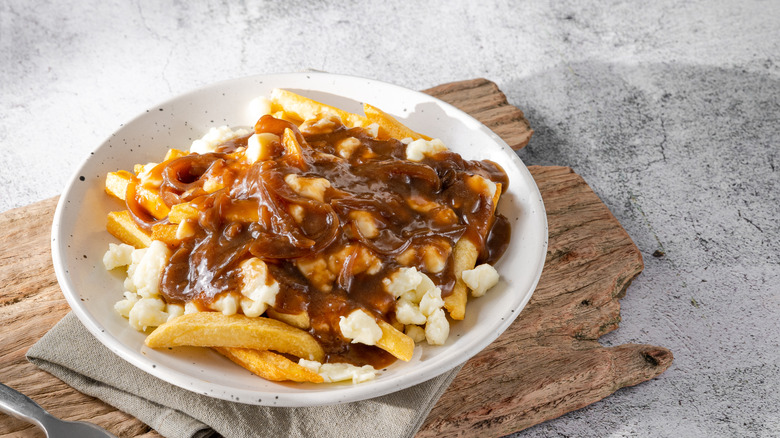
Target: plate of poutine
(299, 239)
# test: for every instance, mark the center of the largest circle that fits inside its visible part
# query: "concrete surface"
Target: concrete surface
(670, 110)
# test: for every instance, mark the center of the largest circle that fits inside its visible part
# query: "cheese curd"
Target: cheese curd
(259, 290)
(407, 312)
(437, 329)
(419, 149)
(118, 255)
(419, 304)
(215, 137)
(402, 281)
(147, 312)
(259, 146)
(339, 372)
(145, 269)
(258, 107)
(480, 279)
(360, 327)
(142, 304)
(312, 188)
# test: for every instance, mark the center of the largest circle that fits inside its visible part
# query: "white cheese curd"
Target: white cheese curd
(480, 279)
(415, 332)
(431, 301)
(402, 281)
(438, 328)
(118, 255)
(190, 307)
(258, 107)
(339, 372)
(258, 292)
(408, 312)
(419, 304)
(259, 146)
(123, 307)
(372, 130)
(312, 188)
(147, 312)
(416, 294)
(347, 146)
(143, 274)
(419, 149)
(360, 327)
(227, 304)
(215, 137)
(481, 184)
(174, 310)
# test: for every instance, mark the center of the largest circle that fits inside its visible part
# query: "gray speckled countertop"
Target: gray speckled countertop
(670, 111)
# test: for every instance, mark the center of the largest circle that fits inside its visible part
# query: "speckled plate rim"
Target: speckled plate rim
(78, 239)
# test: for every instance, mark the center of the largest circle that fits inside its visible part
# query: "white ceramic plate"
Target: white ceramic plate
(79, 238)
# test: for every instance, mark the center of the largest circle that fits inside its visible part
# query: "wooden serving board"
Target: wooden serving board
(547, 363)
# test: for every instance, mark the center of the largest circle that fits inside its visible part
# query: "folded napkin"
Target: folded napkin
(72, 354)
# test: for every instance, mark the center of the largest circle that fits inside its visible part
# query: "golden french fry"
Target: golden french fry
(152, 202)
(182, 212)
(269, 365)
(300, 320)
(390, 127)
(122, 226)
(117, 182)
(166, 233)
(214, 329)
(287, 116)
(395, 342)
(242, 211)
(238, 211)
(496, 197)
(304, 108)
(464, 258)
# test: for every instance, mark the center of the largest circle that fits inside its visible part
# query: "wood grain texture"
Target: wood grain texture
(548, 363)
(483, 100)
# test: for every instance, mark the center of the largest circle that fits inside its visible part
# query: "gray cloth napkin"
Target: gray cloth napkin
(71, 353)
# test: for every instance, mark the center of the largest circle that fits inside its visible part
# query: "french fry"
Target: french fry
(214, 329)
(238, 211)
(305, 108)
(166, 233)
(395, 342)
(464, 257)
(242, 211)
(182, 212)
(390, 127)
(269, 365)
(117, 182)
(152, 201)
(121, 225)
(300, 320)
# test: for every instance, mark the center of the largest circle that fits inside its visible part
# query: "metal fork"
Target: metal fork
(16, 404)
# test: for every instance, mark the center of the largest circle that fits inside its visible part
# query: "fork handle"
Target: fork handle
(18, 405)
